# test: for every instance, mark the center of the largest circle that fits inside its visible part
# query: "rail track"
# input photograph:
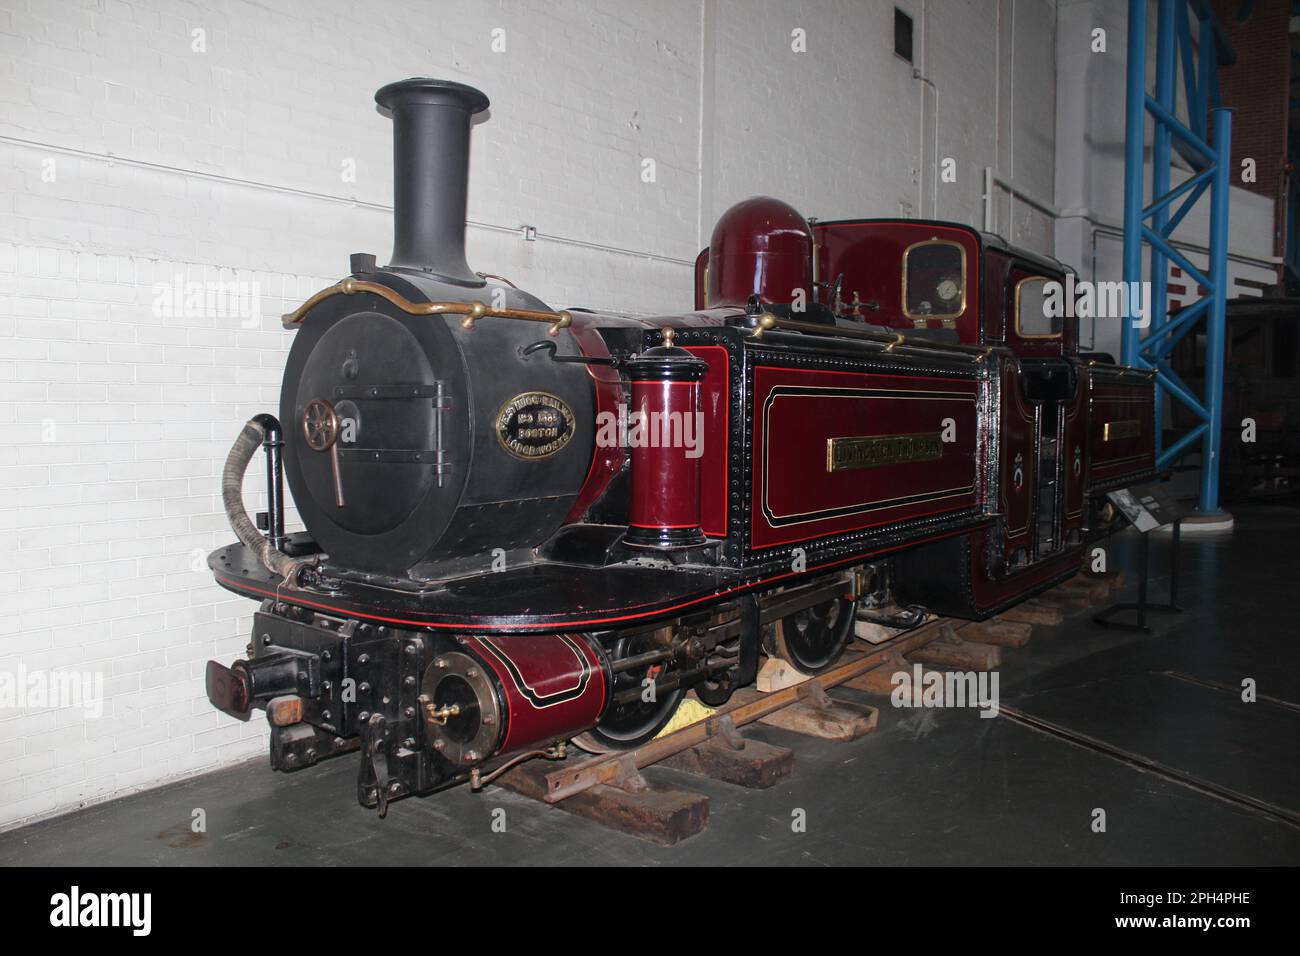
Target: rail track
(610, 789)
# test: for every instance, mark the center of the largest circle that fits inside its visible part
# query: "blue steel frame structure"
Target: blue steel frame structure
(1205, 142)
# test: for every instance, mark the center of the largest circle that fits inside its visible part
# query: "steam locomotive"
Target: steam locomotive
(528, 527)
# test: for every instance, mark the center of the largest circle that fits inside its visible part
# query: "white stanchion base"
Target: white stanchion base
(1197, 523)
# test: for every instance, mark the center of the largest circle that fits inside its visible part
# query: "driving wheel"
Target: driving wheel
(813, 639)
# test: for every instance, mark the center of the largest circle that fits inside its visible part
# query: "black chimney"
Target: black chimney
(431, 121)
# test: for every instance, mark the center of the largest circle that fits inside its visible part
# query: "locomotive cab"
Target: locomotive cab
(946, 283)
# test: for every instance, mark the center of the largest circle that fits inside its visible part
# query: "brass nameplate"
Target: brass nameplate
(535, 425)
(845, 454)
(1114, 431)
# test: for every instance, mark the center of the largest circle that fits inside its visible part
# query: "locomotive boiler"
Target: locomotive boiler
(526, 527)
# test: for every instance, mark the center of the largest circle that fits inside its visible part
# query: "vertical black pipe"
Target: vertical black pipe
(1173, 564)
(431, 120)
(272, 443)
(1144, 569)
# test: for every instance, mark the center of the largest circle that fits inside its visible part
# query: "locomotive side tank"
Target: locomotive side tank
(527, 527)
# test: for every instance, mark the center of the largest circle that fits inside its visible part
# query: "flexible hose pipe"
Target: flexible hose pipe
(232, 496)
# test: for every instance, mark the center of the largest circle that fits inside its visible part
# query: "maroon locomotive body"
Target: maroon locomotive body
(527, 526)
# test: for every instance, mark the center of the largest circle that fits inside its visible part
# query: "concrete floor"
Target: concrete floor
(928, 787)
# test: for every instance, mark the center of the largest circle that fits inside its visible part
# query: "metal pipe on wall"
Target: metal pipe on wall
(1215, 331)
(112, 159)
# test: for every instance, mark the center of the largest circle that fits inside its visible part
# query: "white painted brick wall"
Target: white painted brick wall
(114, 423)
(228, 164)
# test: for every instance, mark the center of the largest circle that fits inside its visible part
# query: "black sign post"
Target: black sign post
(1147, 507)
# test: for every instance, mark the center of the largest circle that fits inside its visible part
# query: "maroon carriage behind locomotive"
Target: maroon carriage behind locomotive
(526, 527)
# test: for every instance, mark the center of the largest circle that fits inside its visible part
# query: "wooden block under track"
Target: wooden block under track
(959, 655)
(841, 720)
(1093, 591)
(657, 814)
(874, 633)
(1000, 632)
(776, 674)
(1033, 612)
(1065, 599)
(880, 680)
(757, 765)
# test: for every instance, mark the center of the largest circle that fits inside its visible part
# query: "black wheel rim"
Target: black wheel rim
(629, 725)
(815, 637)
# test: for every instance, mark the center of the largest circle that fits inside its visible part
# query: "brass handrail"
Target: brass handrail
(473, 311)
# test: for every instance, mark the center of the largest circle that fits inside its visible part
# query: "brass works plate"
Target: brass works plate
(875, 451)
(1114, 431)
(534, 425)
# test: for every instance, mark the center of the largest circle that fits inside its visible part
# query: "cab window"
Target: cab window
(1033, 317)
(934, 280)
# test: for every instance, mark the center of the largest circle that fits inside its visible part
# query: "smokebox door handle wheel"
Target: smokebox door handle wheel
(320, 429)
